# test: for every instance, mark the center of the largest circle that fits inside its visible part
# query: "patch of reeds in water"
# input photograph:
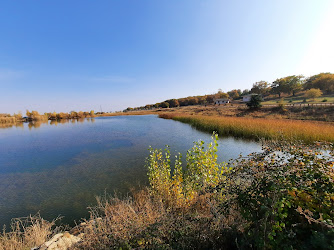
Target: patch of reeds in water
(7, 120)
(256, 128)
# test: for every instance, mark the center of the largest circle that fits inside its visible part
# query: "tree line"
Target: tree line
(323, 82)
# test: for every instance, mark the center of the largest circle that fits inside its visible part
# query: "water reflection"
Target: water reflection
(37, 124)
(11, 125)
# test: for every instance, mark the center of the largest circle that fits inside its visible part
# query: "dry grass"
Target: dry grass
(255, 128)
(117, 221)
(7, 120)
(26, 233)
(143, 221)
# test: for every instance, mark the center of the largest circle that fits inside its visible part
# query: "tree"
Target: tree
(234, 94)
(173, 103)
(255, 102)
(209, 98)
(313, 93)
(164, 105)
(261, 87)
(192, 100)
(322, 81)
(245, 92)
(294, 83)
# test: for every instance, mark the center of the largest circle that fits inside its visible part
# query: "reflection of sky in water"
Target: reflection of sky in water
(59, 168)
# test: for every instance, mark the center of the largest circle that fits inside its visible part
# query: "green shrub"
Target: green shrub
(255, 102)
(280, 198)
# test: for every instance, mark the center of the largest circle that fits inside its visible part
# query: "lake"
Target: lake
(58, 168)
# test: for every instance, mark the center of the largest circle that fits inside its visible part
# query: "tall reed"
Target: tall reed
(256, 128)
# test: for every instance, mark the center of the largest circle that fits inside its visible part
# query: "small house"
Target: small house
(247, 98)
(222, 101)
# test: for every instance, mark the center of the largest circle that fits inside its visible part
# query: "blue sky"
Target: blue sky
(82, 55)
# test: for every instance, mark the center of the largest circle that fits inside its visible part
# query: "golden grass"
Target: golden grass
(27, 233)
(7, 120)
(256, 128)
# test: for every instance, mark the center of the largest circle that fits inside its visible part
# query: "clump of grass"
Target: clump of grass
(119, 223)
(255, 128)
(26, 233)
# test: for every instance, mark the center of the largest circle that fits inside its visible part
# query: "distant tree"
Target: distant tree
(245, 92)
(183, 102)
(322, 81)
(192, 100)
(209, 98)
(92, 113)
(255, 102)
(261, 87)
(223, 95)
(164, 105)
(294, 84)
(279, 86)
(173, 103)
(234, 94)
(202, 100)
(313, 93)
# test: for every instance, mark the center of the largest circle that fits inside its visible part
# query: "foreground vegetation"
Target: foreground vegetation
(281, 198)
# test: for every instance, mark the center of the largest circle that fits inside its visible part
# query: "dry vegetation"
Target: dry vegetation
(308, 131)
(26, 233)
(297, 112)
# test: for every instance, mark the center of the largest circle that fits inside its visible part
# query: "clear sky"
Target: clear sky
(80, 54)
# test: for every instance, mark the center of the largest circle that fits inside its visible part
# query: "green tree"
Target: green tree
(261, 87)
(255, 102)
(288, 85)
(294, 84)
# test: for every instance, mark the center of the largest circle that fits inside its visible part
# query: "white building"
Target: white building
(222, 101)
(247, 98)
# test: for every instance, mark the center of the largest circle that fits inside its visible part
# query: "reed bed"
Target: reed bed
(256, 128)
(7, 120)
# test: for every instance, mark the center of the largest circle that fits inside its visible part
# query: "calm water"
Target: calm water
(59, 168)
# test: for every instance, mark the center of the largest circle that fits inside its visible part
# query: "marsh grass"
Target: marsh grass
(256, 128)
